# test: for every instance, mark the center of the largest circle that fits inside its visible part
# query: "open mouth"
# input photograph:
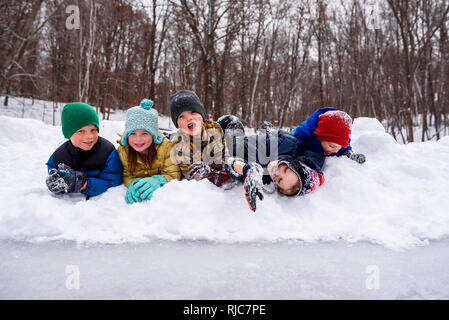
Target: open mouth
(191, 126)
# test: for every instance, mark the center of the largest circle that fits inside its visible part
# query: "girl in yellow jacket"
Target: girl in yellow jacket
(145, 154)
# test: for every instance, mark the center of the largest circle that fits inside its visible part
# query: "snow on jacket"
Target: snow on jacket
(210, 148)
(101, 164)
(265, 147)
(305, 133)
(162, 165)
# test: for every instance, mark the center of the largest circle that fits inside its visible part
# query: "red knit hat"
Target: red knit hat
(334, 126)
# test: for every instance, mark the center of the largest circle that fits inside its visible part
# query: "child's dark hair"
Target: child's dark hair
(132, 157)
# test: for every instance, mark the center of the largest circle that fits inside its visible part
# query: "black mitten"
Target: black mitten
(357, 157)
(74, 179)
(55, 183)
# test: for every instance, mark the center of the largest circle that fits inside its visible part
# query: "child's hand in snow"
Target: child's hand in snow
(199, 170)
(131, 194)
(55, 183)
(145, 187)
(357, 157)
(76, 180)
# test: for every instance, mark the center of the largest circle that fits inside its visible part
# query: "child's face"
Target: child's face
(285, 178)
(191, 123)
(140, 140)
(330, 147)
(85, 138)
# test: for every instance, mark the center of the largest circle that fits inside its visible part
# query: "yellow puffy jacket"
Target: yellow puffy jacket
(162, 165)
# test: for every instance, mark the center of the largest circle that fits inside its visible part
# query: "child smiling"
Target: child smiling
(327, 131)
(199, 144)
(145, 154)
(86, 163)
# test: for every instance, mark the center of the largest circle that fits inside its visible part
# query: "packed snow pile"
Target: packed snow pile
(398, 198)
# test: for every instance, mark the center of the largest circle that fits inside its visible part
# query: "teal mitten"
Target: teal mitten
(131, 195)
(146, 186)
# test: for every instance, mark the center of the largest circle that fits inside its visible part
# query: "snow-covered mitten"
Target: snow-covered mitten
(199, 170)
(218, 175)
(55, 183)
(131, 195)
(252, 185)
(75, 179)
(357, 157)
(146, 186)
(214, 172)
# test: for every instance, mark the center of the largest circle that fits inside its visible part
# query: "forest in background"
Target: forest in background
(257, 59)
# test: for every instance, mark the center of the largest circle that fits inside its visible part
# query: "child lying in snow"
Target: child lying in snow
(86, 163)
(199, 144)
(269, 160)
(327, 132)
(290, 176)
(145, 154)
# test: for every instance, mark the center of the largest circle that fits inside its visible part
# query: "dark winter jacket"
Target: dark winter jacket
(273, 145)
(305, 134)
(101, 164)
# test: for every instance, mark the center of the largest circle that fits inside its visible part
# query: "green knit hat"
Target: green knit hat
(76, 115)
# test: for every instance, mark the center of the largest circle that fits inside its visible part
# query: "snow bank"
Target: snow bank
(398, 198)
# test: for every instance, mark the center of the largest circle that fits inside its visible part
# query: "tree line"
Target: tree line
(257, 59)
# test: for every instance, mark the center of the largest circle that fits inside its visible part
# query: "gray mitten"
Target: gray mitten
(357, 157)
(74, 179)
(55, 183)
(253, 184)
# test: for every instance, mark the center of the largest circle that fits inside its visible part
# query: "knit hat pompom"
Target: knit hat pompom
(147, 104)
(76, 115)
(334, 126)
(142, 117)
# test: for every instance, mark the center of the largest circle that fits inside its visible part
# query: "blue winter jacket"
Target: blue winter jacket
(101, 164)
(305, 133)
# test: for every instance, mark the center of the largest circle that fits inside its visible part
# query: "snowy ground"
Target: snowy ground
(193, 240)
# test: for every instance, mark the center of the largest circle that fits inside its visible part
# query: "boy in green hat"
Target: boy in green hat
(86, 163)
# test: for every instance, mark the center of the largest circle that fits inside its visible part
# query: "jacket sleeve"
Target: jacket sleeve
(313, 160)
(301, 134)
(126, 175)
(51, 164)
(169, 169)
(223, 148)
(288, 145)
(110, 176)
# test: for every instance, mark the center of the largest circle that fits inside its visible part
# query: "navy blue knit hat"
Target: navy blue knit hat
(185, 100)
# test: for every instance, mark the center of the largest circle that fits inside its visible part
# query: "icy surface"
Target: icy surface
(202, 270)
(398, 198)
